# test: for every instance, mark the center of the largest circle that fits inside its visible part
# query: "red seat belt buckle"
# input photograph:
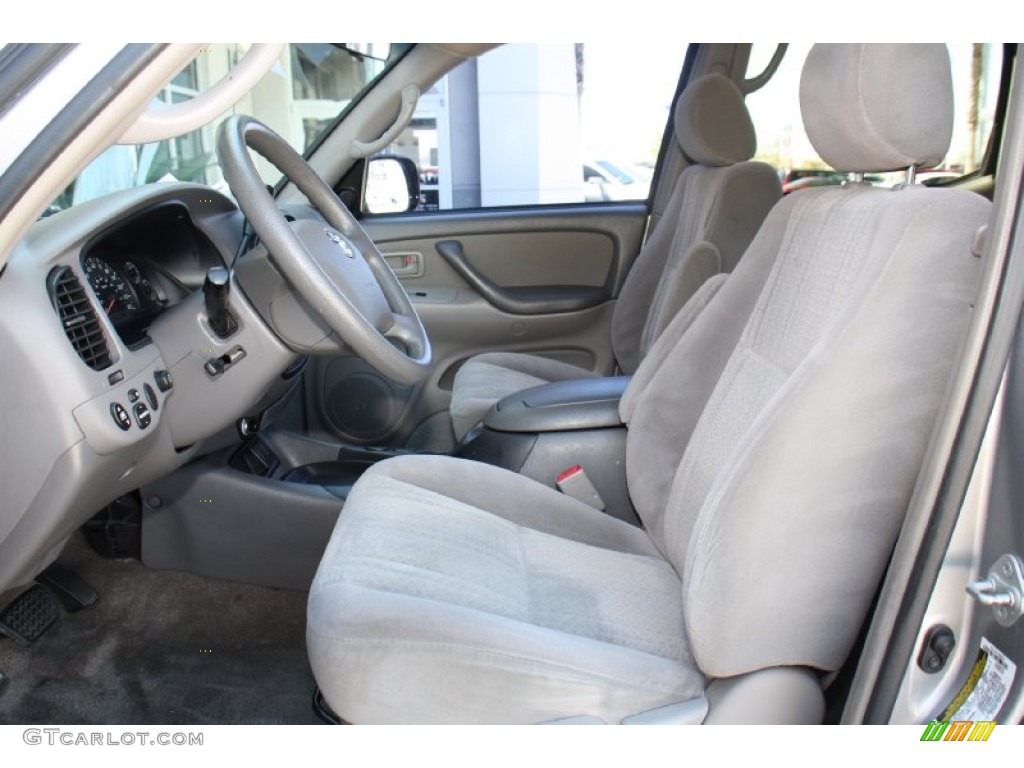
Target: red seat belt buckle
(574, 482)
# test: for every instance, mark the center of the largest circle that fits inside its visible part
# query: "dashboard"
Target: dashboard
(107, 348)
(145, 265)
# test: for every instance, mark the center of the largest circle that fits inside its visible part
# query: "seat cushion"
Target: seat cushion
(446, 595)
(487, 378)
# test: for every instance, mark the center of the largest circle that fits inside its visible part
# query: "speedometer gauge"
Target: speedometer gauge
(110, 286)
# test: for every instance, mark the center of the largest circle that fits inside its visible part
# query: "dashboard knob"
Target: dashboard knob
(164, 380)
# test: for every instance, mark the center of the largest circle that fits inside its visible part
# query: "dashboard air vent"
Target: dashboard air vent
(79, 319)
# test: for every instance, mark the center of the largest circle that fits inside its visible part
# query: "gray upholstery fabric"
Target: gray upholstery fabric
(712, 124)
(692, 365)
(532, 504)
(875, 107)
(701, 263)
(485, 379)
(428, 608)
(666, 343)
(776, 430)
(722, 208)
(795, 451)
(713, 214)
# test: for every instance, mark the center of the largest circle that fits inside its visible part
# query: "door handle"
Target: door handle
(405, 263)
(524, 300)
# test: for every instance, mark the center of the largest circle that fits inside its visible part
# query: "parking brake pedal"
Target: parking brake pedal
(32, 613)
(73, 593)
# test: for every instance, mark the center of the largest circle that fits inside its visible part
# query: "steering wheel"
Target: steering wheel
(337, 269)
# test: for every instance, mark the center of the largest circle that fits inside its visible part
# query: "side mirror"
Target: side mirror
(593, 190)
(392, 185)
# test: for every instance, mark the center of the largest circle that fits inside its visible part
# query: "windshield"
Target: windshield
(303, 95)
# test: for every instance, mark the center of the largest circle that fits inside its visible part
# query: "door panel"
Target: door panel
(574, 243)
(531, 261)
(532, 254)
(516, 258)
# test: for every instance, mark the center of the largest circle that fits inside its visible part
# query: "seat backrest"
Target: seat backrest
(715, 210)
(774, 445)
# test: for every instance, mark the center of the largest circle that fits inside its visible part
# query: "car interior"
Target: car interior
(269, 456)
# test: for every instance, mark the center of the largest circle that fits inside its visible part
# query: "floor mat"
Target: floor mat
(163, 647)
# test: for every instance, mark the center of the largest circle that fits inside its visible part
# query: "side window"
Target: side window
(529, 124)
(782, 142)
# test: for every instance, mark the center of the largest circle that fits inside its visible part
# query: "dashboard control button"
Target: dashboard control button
(214, 367)
(116, 377)
(142, 415)
(133, 395)
(151, 397)
(120, 416)
(164, 380)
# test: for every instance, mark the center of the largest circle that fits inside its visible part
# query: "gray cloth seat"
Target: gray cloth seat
(715, 209)
(496, 581)
(774, 440)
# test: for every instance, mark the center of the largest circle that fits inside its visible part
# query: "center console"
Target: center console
(542, 431)
(538, 432)
(262, 513)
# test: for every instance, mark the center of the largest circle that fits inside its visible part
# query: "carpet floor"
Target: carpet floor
(162, 647)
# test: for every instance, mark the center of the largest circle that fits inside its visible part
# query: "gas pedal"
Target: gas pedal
(73, 593)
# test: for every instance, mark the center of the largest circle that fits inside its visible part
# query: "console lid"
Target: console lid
(561, 406)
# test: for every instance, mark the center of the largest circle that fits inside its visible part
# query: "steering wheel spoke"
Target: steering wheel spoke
(337, 269)
(404, 328)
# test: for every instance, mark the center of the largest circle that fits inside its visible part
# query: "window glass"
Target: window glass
(300, 98)
(529, 124)
(782, 142)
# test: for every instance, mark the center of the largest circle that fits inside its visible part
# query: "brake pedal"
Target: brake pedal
(28, 617)
(73, 592)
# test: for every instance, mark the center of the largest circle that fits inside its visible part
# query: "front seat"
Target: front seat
(772, 451)
(714, 212)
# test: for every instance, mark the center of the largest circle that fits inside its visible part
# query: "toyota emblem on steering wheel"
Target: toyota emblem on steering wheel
(341, 242)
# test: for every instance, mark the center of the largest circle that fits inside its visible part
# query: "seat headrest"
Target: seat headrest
(869, 108)
(712, 124)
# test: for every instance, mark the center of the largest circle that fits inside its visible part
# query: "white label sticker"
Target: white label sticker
(992, 680)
